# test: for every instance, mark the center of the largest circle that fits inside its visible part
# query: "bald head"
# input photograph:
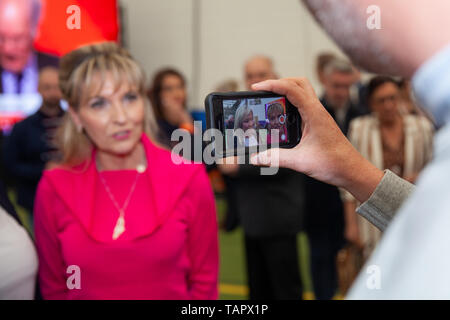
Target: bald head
(49, 87)
(18, 23)
(258, 68)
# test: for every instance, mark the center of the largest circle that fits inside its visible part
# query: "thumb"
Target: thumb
(276, 157)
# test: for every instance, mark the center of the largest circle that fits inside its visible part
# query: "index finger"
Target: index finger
(297, 90)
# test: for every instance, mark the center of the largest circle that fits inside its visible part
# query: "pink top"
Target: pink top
(169, 249)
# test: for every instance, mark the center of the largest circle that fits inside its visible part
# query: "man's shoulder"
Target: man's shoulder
(26, 123)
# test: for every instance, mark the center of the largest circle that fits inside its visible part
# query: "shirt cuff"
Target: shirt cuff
(385, 201)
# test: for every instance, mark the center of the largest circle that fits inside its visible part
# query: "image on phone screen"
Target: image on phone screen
(262, 120)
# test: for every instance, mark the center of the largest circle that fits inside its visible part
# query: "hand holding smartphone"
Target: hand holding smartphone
(251, 121)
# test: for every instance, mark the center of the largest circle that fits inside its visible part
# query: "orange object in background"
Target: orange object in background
(99, 21)
(216, 179)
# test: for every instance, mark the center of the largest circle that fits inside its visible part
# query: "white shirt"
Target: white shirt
(29, 82)
(18, 260)
(412, 261)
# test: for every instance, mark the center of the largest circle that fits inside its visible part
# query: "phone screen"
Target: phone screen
(262, 120)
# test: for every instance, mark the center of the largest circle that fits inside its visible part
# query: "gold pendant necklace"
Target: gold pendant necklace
(119, 229)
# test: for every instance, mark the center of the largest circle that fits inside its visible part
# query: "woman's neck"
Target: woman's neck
(391, 124)
(108, 161)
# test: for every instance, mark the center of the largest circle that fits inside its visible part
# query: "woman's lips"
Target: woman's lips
(122, 135)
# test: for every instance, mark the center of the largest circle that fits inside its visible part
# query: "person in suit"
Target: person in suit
(324, 207)
(19, 62)
(269, 208)
(29, 147)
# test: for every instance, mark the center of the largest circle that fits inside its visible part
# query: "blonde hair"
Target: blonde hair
(240, 114)
(77, 83)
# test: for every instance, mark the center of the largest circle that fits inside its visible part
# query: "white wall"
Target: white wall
(209, 40)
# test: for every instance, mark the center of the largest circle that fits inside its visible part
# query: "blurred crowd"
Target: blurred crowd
(178, 242)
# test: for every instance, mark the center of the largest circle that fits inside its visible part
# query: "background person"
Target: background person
(19, 62)
(322, 60)
(19, 262)
(137, 225)
(343, 166)
(30, 146)
(169, 98)
(390, 140)
(269, 208)
(324, 207)
(258, 68)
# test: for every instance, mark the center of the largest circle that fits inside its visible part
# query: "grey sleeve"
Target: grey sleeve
(387, 198)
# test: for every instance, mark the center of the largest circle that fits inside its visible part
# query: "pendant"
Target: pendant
(119, 228)
(140, 168)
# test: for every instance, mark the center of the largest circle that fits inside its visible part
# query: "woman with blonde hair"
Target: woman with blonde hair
(118, 219)
(243, 119)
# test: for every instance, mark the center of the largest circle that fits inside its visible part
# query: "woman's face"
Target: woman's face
(248, 122)
(113, 119)
(274, 119)
(173, 90)
(384, 102)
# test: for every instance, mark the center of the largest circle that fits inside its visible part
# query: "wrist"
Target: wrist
(361, 179)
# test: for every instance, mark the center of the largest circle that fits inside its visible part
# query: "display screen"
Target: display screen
(255, 121)
(33, 35)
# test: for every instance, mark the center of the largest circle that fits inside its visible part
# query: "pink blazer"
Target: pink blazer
(168, 251)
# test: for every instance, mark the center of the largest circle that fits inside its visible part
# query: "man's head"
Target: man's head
(321, 61)
(49, 87)
(411, 31)
(338, 77)
(258, 68)
(18, 23)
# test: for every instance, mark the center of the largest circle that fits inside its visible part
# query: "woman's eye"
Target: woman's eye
(130, 97)
(98, 103)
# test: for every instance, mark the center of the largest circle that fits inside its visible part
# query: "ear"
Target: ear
(75, 118)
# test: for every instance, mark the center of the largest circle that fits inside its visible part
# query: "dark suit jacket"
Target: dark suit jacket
(270, 205)
(43, 60)
(325, 214)
(25, 152)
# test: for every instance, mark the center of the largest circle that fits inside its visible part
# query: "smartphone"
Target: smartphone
(250, 121)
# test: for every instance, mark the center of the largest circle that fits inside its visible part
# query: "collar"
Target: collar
(77, 188)
(431, 85)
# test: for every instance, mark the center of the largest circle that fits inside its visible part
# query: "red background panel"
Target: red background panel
(99, 22)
